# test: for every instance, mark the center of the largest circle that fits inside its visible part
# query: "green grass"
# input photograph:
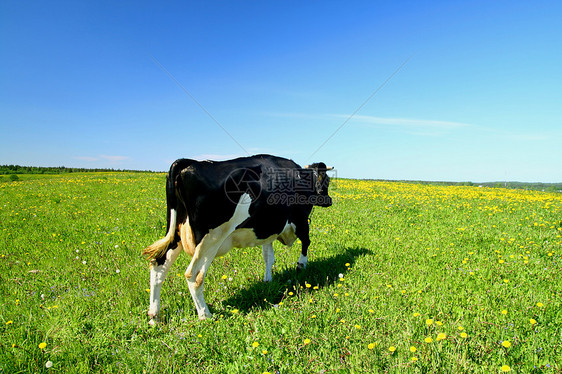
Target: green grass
(390, 265)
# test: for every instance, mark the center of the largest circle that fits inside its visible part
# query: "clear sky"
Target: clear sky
(463, 90)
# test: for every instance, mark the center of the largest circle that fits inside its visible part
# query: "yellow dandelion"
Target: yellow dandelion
(417, 314)
(224, 277)
(429, 322)
(461, 328)
(306, 341)
(42, 345)
(264, 352)
(441, 336)
(506, 343)
(504, 312)
(505, 368)
(358, 327)
(392, 349)
(540, 305)
(255, 344)
(414, 359)
(413, 349)
(532, 321)
(428, 339)
(234, 311)
(464, 335)
(371, 346)
(347, 264)
(371, 311)
(439, 323)
(9, 322)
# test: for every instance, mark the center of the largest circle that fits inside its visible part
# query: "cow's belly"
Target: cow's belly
(288, 236)
(246, 237)
(243, 238)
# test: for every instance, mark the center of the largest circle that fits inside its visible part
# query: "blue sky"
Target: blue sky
(467, 90)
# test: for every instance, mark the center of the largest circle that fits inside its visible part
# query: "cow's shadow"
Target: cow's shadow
(321, 273)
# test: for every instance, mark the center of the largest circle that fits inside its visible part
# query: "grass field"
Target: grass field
(401, 278)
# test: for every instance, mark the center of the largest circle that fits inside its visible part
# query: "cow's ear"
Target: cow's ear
(307, 166)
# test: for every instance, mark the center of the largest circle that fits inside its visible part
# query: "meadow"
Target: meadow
(402, 278)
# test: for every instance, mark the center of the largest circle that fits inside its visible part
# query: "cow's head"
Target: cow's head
(321, 182)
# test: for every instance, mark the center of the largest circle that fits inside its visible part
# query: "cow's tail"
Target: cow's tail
(159, 248)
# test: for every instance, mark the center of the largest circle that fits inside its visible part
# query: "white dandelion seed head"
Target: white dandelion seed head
(340, 275)
(49, 364)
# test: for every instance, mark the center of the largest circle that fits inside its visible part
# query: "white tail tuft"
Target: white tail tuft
(159, 247)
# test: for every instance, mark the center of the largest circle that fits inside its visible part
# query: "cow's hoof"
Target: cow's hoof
(205, 315)
(300, 267)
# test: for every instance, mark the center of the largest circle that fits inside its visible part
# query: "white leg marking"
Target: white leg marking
(269, 259)
(301, 264)
(157, 275)
(198, 298)
(206, 251)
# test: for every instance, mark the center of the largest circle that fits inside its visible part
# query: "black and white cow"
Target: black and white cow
(245, 202)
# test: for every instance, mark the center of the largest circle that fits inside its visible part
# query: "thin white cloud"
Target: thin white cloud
(102, 157)
(216, 156)
(114, 158)
(372, 120)
(405, 122)
(86, 158)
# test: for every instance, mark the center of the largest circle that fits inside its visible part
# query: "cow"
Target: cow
(214, 206)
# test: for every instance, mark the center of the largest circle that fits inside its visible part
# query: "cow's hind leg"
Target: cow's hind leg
(158, 272)
(215, 241)
(196, 271)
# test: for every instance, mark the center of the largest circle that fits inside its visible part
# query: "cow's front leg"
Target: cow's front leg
(158, 273)
(302, 234)
(269, 259)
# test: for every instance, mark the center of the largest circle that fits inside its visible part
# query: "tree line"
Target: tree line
(17, 169)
